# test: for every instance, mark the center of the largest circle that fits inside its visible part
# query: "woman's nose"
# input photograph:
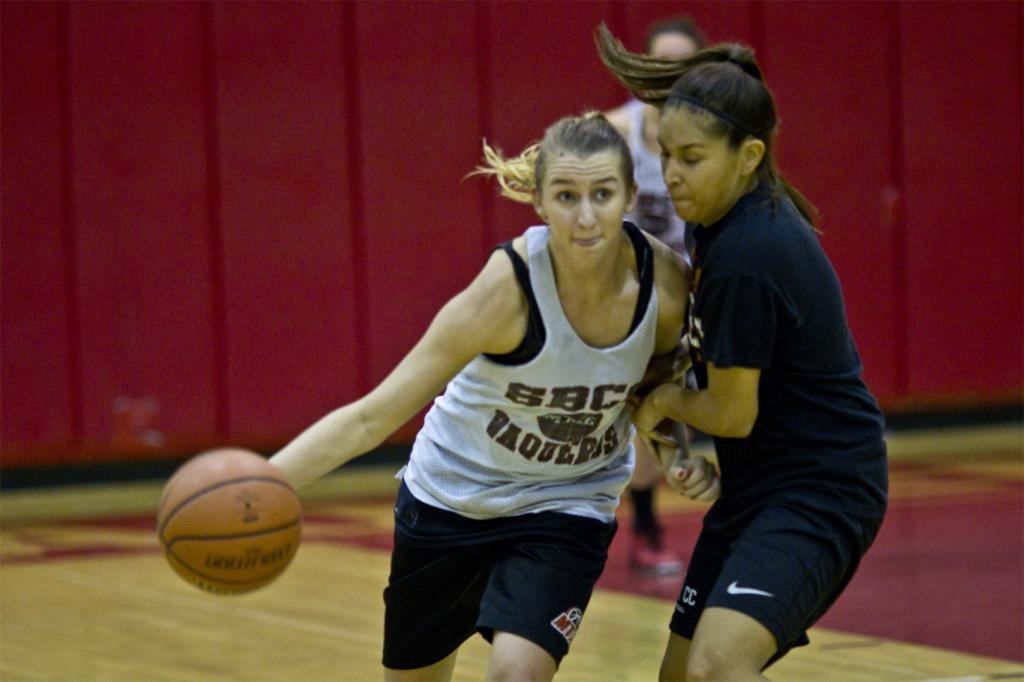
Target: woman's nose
(587, 217)
(670, 171)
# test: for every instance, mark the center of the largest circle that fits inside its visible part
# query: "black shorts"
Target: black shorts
(529, 575)
(784, 569)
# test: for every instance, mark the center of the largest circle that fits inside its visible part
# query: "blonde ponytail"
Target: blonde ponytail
(516, 176)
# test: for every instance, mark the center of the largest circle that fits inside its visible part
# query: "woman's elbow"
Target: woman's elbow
(737, 423)
(740, 430)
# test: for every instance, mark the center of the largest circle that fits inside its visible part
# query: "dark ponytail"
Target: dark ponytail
(723, 80)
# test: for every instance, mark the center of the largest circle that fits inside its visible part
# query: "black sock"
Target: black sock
(644, 522)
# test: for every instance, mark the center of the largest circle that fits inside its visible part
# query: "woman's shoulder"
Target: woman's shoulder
(668, 263)
(767, 224)
(498, 280)
(494, 306)
(768, 245)
(671, 279)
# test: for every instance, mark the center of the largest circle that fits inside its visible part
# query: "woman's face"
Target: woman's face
(671, 45)
(583, 200)
(704, 177)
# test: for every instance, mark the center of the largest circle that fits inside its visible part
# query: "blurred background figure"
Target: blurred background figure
(670, 39)
(667, 39)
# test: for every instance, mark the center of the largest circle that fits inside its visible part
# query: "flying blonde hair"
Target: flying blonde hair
(516, 176)
(519, 177)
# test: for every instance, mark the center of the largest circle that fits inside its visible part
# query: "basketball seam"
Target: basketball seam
(215, 486)
(234, 536)
(230, 581)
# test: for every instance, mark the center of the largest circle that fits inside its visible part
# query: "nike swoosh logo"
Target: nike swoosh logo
(736, 589)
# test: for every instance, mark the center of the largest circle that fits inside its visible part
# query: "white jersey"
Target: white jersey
(653, 212)
(551, 434)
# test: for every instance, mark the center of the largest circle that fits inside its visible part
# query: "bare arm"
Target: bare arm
(672, 282)
(487, 317)
(727, 407)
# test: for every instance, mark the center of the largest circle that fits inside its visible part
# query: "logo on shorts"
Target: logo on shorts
(734, 588)
(568, 622)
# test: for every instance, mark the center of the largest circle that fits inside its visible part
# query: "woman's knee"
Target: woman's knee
(728, 645)
(515, 659)
(717, 662)
(705, 667)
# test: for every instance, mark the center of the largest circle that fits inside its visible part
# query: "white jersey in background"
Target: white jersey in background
(654, 212)
(551, 434)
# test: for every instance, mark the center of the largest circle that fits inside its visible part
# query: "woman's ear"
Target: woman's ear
(538, 208)
(631, 203)
(751, 153)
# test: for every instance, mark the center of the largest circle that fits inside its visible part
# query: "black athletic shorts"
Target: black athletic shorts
(451, 576)
(784, 569)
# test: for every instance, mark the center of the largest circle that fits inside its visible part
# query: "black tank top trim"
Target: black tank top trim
(645, 270)
(533, 340)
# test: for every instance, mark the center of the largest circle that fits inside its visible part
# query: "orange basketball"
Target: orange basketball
(229, 521)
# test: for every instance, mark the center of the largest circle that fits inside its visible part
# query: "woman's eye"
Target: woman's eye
(564, 196)
(602, 194)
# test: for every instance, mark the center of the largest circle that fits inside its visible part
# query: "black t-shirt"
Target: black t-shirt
(767, 297)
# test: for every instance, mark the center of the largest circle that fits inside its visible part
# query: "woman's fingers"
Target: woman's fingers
(712, 493)
(696, 478)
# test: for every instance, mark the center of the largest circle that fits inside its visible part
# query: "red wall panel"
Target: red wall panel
(720, 21)
(418, 74)
(287, 230)
(536, 81)
(835, 146)
(420, 136)
(140, 224)
(961, 64)
(221, 220)
(38, 403)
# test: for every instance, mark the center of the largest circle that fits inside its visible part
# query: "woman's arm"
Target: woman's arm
(672, 281)
(727, 407)
(489, 316)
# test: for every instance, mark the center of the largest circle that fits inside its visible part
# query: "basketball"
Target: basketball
(228, 521)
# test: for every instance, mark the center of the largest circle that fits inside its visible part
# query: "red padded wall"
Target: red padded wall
(288, 284)
(221, 220)
(419, 132)
(961, 64)
(38, 401)
(535, 82)
(720, 21)
(835, 146)
(140, 225)
(420, 135)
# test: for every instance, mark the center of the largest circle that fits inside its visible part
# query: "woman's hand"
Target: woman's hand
(695, 478)
(651, 412)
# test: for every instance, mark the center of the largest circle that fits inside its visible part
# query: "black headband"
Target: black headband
(713, 110)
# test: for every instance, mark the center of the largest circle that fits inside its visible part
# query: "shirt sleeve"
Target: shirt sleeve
(739, 321)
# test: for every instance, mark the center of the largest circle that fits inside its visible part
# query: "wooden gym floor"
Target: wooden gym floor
(86, 595)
